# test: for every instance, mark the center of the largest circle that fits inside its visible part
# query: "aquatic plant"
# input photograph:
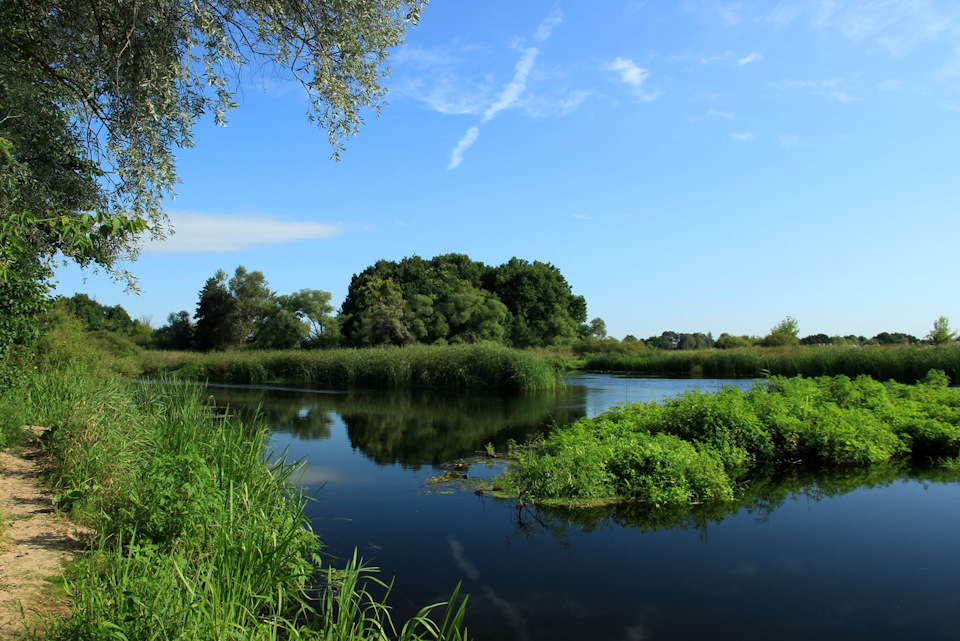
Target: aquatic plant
(700, 448)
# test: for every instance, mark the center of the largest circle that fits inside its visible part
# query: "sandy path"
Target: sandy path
(37, 542)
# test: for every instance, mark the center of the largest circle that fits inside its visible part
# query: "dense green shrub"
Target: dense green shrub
(700, 447)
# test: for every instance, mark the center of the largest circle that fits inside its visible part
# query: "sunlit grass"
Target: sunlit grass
(481, 366)
(902, 363)
(200, 533)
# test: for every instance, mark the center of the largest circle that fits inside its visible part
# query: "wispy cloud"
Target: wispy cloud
(753, 57)
(197, 232)
(465, 143)
(744, 136)
(633, 75)
(716, 113)
(512, 92)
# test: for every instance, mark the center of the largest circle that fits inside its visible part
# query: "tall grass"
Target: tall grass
(481, 366)
(901, 363)
(200, 530)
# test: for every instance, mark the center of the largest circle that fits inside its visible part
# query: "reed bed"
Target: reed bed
(481, 366)
(901, 363)
(200, 530)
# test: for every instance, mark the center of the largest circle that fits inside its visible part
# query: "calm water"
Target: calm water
(841, 557)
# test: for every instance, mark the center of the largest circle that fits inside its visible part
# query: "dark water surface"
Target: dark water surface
(850, 555)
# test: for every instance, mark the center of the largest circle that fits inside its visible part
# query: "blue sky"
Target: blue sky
(688, 166)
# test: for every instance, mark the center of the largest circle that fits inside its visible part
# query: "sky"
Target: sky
(692, 166)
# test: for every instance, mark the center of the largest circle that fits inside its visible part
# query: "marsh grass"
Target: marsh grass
(902, 363)
(200, 528)
(700, 448)
(481, 366)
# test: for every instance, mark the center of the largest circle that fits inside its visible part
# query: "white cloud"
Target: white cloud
(465, 143)
(726, 115)
(745, 136)
(632, 75)
(753, 57)
(546, 27)
(511, 93)
(890, 84)
(203, 232)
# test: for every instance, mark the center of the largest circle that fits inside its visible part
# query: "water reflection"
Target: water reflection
(853, 553)
(763, 493)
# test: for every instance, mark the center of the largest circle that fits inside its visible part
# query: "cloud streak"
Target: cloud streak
(511, 92)
(198, 232)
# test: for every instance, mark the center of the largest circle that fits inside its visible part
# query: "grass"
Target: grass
(481, 366)
(200, 529)
(902, 363)
(700, 448)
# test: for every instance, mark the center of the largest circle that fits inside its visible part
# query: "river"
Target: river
(850, 555)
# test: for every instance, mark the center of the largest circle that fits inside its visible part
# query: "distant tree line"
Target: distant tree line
(445, 300)
(449, 299)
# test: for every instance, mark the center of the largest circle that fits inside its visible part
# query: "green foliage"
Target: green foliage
(903, 363)
(702, 447)
(200, 532)
(784, 333)
(726, 341)
(941, 334)
(451, 299)
(96, 99)
(216, 316)
(177, 334)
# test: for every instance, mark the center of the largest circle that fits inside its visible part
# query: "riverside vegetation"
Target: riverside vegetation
(706, 448)
(479, 366)
(199, 529)
(902, 363)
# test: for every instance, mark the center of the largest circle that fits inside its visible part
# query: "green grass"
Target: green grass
(902, 363)
(700, 448)
(481, 366)
(200, 530)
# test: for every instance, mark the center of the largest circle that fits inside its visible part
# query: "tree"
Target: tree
(97, 96)
(542, 308)
(252, 299)
(216, 317)
(177, 333)
(315, 308)
(941, 334)
(597, 328)
(381, 315)
(786, 332)
(279, 325)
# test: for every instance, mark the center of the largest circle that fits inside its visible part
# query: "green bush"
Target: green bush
(698, 448)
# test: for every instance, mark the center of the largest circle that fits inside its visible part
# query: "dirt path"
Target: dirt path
(36, 543)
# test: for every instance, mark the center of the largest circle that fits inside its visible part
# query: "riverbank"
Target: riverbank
(197, 529)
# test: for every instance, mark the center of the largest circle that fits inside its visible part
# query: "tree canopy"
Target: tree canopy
(453, 299)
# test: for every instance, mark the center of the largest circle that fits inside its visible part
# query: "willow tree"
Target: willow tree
(97, 96)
